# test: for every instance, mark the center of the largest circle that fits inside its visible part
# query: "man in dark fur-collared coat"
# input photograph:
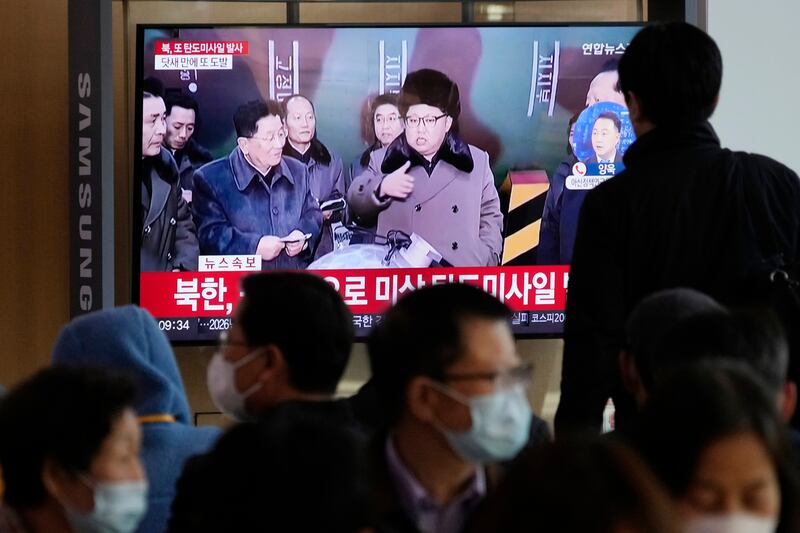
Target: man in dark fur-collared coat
(430, 182)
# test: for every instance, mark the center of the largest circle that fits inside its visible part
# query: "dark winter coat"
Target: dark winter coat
(169, 237)
(681, 214)
(456, 208)
(235, 207)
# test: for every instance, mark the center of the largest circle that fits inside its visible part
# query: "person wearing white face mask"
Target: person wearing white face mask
(269, 361)
(448, 379)
(712, 434)
(70, 454)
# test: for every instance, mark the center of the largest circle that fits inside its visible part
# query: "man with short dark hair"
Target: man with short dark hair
(269, 362)
(182, 119)
(683, 212)
(452, 388)
(430, 182)
(605, 138)
(169, 238)
(255, 201)
(325, 168)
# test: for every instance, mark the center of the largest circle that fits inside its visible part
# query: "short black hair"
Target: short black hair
(651, 321)
(702, 404)
(306, 319)
(433, 88)
(422, 335)
(369, 123)
(181, 99)
(63, 414)
(675, 70)
(755, 339)
(247, 115)
(152, 88)
(572, 120)
(610, 115)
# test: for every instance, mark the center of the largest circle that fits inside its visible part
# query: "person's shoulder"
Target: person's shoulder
(216, 169)
(767, 165)
(165, 166)
(478, 154)
(295, 167)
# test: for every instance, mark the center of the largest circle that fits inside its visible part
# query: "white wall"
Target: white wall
(758, 109)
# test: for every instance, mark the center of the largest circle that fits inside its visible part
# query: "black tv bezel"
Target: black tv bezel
(135, 234)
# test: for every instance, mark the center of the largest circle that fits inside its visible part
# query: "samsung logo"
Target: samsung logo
(85, 192)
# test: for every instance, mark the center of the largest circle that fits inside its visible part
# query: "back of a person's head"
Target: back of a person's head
(128, 338)
(61, 414)
(296, 470)
(675, 71)
(756, 340)
(591, 485)
(651, 321)
(422, 336)
(303, 316)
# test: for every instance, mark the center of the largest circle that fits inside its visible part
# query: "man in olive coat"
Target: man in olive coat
(430, 182)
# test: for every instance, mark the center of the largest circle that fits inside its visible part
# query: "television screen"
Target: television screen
(383, 159)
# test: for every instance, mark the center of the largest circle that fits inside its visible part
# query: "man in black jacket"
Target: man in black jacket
(169, 236)
(183, 117)
(684, 212)
(283, 357)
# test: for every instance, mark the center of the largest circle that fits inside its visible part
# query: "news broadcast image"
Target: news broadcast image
(383, 159)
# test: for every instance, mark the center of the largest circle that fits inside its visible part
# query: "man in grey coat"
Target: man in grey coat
(325, 169)
(432, 183)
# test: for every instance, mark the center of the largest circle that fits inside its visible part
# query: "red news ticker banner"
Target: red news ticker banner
(239, 48)
(211, 294)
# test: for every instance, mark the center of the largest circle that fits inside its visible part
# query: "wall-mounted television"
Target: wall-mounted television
(381, 158)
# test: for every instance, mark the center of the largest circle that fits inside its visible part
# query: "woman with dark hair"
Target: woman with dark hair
(385, 125)
(713, 436)
(70, 454)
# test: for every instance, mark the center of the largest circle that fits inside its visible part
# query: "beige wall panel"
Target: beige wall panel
(177, 11)
(379, 12)
(578, 11)
(35, 179)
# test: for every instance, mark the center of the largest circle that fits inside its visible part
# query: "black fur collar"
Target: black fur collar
(317, 151)
(453, 150)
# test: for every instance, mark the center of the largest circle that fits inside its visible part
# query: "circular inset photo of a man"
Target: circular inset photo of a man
(603, 133)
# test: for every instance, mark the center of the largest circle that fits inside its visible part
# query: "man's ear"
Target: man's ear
(56, 480)
(634, 106)
(274, 364)
(788, 400)
(448, 123)
(421, 399)
(242, 143)
(630, 376)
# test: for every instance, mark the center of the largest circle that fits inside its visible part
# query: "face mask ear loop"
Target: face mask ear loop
(447, 391)
(453, 395)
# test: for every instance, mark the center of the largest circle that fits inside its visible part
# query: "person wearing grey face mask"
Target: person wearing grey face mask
(452, 389)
